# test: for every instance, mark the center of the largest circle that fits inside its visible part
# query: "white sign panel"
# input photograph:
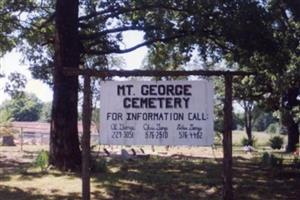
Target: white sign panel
(156, 113)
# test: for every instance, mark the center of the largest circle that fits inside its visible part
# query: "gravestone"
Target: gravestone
(8, 140)
(124, 154)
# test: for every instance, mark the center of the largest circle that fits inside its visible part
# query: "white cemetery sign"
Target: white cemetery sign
(156, 113)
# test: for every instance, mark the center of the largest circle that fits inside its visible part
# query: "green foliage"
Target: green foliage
(273, 128)
(26, 107)
(15, 85)
(265, 158)
(245, 141)
(45, 115)
(5, 123)
(42, 160)
(262, 119)
(276, 142)
(271, 160)
(165, 57)
(99, 165)
(5, 115)
(218, 138)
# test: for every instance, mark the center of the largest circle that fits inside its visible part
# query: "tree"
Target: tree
(278, 74)
(262, 119)
(15, 85)
(216, 29)
(246, 94)
(26, 107)
(64, 143)
(46, 112)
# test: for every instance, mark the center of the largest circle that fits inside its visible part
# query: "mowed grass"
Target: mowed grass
(261, 138)
(166, 177)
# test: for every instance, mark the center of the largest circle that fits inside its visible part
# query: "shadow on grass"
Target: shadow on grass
(163, 178)
(173, 178)
(179, 178)
(256, 181)
(13, 193)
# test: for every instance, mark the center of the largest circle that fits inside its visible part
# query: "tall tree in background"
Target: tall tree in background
(245, 93)
(25, 107)
(278, 75)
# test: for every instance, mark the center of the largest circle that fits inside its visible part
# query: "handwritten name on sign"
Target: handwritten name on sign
(156, 113)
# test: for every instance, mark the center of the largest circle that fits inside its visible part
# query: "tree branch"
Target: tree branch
(94, 36)
(145, 43)
(122, 10)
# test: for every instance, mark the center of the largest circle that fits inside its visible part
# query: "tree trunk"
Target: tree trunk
(64, 144)
(248, 106)
(292, 129)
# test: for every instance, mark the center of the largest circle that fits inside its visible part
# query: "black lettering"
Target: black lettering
(161, 90)
(151, 103)
(152, 89)
(170, 91)
(144, 90)
(135, 103)
(121, 89)
(126, 103)
(177, 103)
(178, 90)
(186, 102)
(124, 89)
(144, 102)
(169, 103)
(186, 90)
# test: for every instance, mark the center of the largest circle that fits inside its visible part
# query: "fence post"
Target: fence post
(85, 141)
(227, 140)
(21, 138)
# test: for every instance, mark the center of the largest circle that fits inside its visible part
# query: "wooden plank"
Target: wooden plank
(227, 140)
(147, 73)
(85, 141)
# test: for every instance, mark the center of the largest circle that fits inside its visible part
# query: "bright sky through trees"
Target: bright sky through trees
(11, 62)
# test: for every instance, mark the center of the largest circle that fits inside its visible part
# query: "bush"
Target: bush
(99, 165)
(271, 160)
(296, 162)
(265, 158)
(275, 161)
(245, 141)
(273, 128)
(42, 160)
(218, 138)
(276, 142)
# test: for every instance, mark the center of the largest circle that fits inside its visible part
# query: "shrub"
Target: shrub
(273, 128)
(296, 162)
(42, 160)
(245, 141)
(271, 160)
(275, 161)
(218, 138)
(276, 142)
(265, 158)
(99, 165)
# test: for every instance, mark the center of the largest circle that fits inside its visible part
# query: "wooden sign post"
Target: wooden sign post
(227, 135)
(227, 140)
(85, 141)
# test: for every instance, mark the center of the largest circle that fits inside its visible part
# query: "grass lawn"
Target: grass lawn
(261, 138)
(195, 175)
